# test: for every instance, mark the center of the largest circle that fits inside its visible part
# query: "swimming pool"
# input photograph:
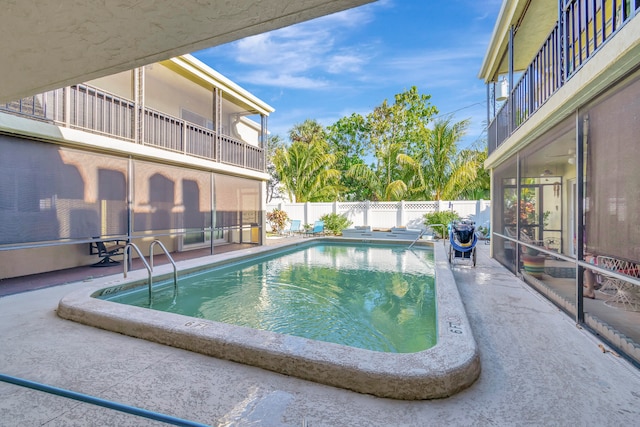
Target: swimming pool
(450, 365)
(375, 297)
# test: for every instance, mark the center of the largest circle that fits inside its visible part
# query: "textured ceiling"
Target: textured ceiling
(50, 44)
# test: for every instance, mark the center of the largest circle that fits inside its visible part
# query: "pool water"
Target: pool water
(376, 297)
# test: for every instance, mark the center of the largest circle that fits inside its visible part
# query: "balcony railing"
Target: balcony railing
(586, 26)
(93, 110)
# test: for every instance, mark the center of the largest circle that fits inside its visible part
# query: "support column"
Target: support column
(582, 129)
(510, 99)
(138, 89)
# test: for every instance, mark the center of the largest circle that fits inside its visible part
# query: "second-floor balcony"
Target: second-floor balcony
(93, 110)
(583, 28)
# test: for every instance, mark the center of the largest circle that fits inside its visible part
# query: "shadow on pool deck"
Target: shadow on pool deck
(77, 274)
(538, 368)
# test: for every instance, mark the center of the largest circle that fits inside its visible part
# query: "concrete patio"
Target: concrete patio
(538, 368)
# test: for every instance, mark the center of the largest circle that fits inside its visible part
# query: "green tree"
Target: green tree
(437, 170)
(480, 188)
(306, 172)
(309, 131)
(348, 140)
(273, 144)
(394, 131)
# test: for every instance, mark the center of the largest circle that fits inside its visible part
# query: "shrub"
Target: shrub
(277, 219)
(443, 217)
(335, 223)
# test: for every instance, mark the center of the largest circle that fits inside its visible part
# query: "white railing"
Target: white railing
(386, 214)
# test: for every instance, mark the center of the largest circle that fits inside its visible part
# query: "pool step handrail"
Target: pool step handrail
(144, 261)
(417, 238)
(166, 252)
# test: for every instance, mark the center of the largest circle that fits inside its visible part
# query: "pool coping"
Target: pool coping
(452, 365)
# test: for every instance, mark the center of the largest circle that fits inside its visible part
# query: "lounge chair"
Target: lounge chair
(294, 227)
(318, 228)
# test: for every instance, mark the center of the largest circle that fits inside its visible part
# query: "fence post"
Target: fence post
(367, 207)
(400, 217)
(306, 212)
(335, 207)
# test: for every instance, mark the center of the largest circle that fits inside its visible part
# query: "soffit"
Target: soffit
(534, 20)
(46, 45)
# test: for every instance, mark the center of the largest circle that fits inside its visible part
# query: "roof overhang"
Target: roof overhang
(202, 71)
(533, 22)
(46, 45)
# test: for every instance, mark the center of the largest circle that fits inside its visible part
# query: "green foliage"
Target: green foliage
(442, 217)
(348, 140)
(395, 130)
(306, 172)
(274, 143)
(277, 219)
(413, 157)
(335, 223)
(308, 132)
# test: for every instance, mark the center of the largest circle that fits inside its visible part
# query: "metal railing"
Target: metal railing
(173, 263)
(93, 110)
(585, 26)
(144, 261)
(583, 264)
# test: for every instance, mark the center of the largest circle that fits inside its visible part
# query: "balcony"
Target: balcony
(584, 28)
(93, 110)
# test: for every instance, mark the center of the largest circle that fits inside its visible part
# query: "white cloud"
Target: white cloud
(306, 55)
(345, 63)
(268, 78)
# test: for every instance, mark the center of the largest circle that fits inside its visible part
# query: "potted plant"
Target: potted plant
(532, 260)
(533, 263)
(277, 219)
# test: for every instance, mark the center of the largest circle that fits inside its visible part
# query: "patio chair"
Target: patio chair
(318, 228)
(105, 250)
(294, 227)
(622, 294)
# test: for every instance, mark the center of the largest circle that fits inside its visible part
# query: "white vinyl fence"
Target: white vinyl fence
(386, 214)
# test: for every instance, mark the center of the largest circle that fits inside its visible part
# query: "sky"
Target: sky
(351, 61)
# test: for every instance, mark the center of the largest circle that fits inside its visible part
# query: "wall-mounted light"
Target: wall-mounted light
(571, 160)
(502, 91)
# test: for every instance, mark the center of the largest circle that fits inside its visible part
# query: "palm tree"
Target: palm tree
(379, 189)
(437, 170)
(306, 172)
(309, 131)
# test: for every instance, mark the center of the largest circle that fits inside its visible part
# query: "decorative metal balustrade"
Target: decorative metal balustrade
(93, 110)
(585, 26)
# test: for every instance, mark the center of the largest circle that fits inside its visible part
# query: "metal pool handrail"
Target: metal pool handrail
(175, 269)
(144, 261)
(444, 227)
(417, 238)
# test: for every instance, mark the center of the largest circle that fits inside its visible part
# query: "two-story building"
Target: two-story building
(563, 91)
(171, 151)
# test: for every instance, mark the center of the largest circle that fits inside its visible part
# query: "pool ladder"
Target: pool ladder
(149, 265)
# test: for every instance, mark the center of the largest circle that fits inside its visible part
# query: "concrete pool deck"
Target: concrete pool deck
(440, 371)
(538, 368)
